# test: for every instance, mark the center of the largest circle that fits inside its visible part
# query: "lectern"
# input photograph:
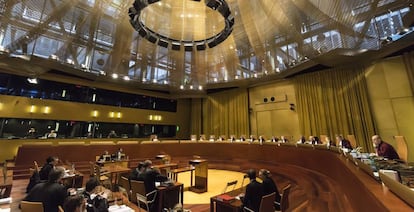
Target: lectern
(200, 175)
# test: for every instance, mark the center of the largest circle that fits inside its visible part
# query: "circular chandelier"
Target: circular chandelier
(189, 45)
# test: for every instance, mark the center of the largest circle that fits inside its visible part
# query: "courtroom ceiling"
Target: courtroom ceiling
(181, 49)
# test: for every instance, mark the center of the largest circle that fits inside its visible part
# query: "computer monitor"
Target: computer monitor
(106, 157)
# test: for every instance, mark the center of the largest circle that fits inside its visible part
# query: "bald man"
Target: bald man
(384, 149)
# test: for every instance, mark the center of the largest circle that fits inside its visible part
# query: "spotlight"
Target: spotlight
(53, 57)
(32, 80)
(126, 78)
(115, 76)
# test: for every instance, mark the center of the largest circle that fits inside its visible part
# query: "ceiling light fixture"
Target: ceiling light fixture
(220, 6)
(32, 80)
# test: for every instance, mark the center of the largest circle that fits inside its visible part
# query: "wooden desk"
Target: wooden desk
(73, 181)
(234, 205)
(115, 170)
(175, 172)
(169, 196)
(123, 163)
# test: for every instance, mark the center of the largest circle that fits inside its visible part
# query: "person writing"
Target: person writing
(383, 148)
(269, 186)
(254, 192)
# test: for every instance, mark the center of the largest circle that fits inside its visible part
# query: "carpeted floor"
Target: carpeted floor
(217, 180)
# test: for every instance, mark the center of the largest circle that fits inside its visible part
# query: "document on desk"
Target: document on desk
(225, 197)
(120, 208)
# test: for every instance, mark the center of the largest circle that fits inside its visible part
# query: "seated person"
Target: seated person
(232, 138)
(329, 142)
(262, 139)
(315, 140)
(154, 138)
(242, 138)
(120, 155)
(383, 148)
(302, 140)
(221, 138)
(150, 176)
(96, 200)
(283, 139)
(74, 203)
(343, 143)
(52, 134)
(50, 164)
(105, 156)
(254, 192)
(251, 138)
(31, 133)
(274, 139)
(135, 174)
(112, 134)
(269, 186)
(50, 193)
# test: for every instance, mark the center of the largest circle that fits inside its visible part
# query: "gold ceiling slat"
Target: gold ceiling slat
(43, 26)
(314, 12)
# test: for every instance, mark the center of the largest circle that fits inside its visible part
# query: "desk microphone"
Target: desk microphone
(244, 177)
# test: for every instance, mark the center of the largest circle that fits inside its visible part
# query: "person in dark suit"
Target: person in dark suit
(269, 186)
(150, 176)
(74, 203)
(261, 139)
(315, 140)
(50, 164)
(301, 140)
(51, 193)
(254, 192)
(383, 148)
(343, 143)
(135, 174)
(31, 133)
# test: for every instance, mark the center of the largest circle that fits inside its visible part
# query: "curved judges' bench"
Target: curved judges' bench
(323, 178)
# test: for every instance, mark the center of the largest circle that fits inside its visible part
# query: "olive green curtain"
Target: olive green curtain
(226, 113)
(196, 116)
(332, 102)
(409, 65)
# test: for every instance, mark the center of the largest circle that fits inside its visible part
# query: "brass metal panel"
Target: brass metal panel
(396, 77)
